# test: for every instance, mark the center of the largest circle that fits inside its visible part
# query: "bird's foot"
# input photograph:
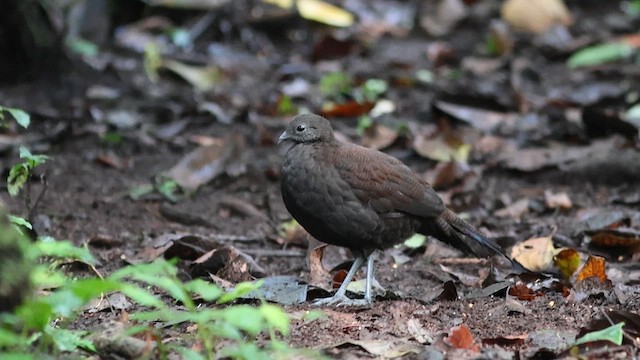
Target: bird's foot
(341, 300)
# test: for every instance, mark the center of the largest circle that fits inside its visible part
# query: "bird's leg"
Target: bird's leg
(369, 280)
(340, 297)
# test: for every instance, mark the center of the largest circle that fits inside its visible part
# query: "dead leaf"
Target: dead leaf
(522, 292)
(535, 254)
(378, 136)
(559, 200)
(515, 210)
(537, 16)
(318, 275)
(483, 119)
(348, 109)
(508, 341)
(390, 348)
(460, 337)
(553, 155)
(228, 263)
(445, 145)
(291, 232)
(419, 333)
(440, 17)
(202, 78)
(325, 13)
(595, 266)
(207, 162)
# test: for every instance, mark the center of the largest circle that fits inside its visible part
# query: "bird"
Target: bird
(363, 199)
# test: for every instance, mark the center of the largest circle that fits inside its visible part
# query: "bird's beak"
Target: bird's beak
(284, 137)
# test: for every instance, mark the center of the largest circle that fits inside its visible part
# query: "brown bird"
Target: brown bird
(363, 199)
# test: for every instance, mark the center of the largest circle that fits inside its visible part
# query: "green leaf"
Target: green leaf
(33, 160)
(82, 47)
(373, 88)
(16, 356)
(168, 189)
(22, 118)
(206, 290)
(142, 297)
(364, 122)
(10, 339)
(20, 221)
(600, 54)
(244, 317)
(18, 176)
(188, 354)
(240, 290)
(613, 334)
(335, 84)
(69, 340)
(63, 249)
(140, 191)
(415, 241)
(35, 314)
(276, 317)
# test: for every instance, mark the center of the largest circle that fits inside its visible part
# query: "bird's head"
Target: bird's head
(307, 128)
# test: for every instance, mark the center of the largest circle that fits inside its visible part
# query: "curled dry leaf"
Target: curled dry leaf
(460, 337)
(594, 267)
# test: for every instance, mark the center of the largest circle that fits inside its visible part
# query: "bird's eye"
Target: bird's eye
(301, 128)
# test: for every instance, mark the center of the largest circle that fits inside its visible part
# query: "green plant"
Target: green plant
(29, 330)
(21, 117)
(22, 171)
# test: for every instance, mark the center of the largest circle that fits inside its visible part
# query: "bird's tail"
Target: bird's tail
(449, 228)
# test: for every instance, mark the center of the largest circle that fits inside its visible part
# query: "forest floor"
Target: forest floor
(535, 170)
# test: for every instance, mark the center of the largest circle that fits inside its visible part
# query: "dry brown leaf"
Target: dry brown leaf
(318, 275)
(595, 266)
(522, 292)
(460, 337)
(379, 137)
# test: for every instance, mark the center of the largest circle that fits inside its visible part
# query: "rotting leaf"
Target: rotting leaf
(460, 337)
(567, 261)
(595, 266)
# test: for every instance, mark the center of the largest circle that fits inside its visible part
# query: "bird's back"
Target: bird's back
(353, 196)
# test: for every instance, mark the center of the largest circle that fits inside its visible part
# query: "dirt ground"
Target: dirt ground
(89, 181)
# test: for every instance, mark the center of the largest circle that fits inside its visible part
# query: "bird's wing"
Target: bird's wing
(385, 183)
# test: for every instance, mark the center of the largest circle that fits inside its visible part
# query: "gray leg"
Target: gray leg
(340, 298)
(367, 291)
